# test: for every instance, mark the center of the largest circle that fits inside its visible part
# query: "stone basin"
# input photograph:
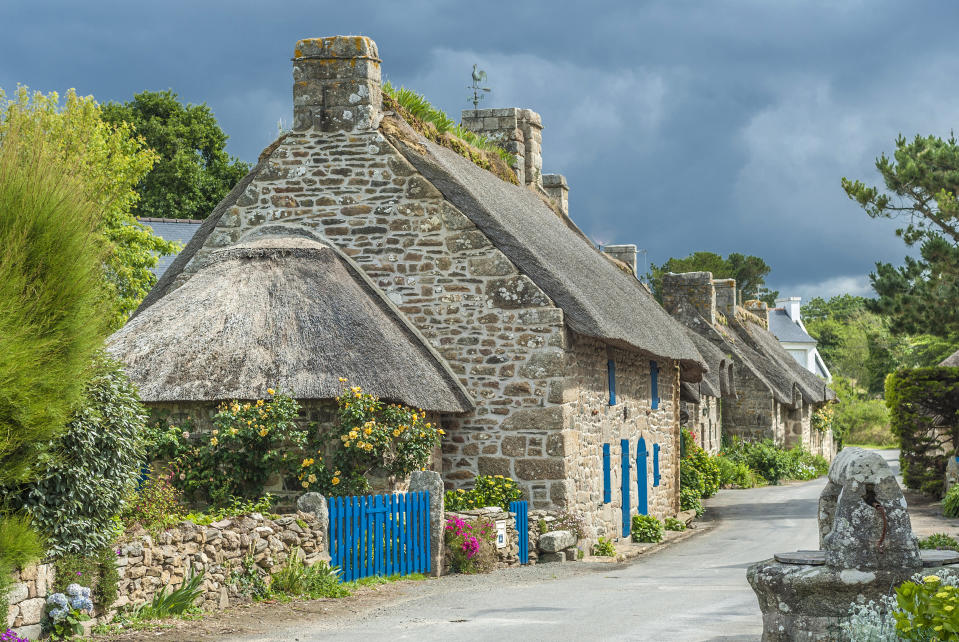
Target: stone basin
(930, 557)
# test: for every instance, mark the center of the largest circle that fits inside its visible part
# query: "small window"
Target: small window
(607, 484)
(611, 373)
(654, 384)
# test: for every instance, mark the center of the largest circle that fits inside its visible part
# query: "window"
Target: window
(654, 384)
(611, 373)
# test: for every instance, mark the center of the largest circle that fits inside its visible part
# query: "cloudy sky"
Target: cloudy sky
(680, 126)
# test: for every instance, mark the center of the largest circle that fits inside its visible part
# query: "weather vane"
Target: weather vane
(478, 76)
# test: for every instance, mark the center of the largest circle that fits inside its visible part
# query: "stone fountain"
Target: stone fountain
(867, 549)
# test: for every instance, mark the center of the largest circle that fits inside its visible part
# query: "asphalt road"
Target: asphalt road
(692, 590)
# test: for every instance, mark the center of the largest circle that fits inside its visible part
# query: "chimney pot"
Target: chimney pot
(518, 131)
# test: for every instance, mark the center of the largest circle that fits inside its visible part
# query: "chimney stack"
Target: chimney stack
(692, 288)
(336, 84)
(791, 305)
(518, 131)
(558, 191)
(760, 309)
(726, 296)
(624, 253)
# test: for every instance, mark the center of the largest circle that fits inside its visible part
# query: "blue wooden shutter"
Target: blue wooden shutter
(607, 484)
(611, 372)
(624, 462)
(655, 464)
(642, 499)
(654, 384)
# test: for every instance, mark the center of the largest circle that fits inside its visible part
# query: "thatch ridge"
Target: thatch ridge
(598, 300)
(287, 312)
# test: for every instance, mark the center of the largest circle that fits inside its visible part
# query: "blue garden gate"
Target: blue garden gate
(624, 463)
(642, 497)
(521, 510)
(380, 534)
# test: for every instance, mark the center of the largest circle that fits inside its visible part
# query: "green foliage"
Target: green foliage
(98, 463)
(859, 419)
(690, 478)
(488, 490)
(924, 414)
(927, 610)
(604, 548)
(297, 579)
(234, 508)
(193, 171)
(736, 474)
(176, 602)
(97, 570)
(19, 545)
(673, 524)
(698, 459)
(749, 271)
(646, 528)
(950, 503)
(920, 187)
(470, 545)
(420, 108)
(939, 541)
(155, 506)
(691, 499)
(248, 579)
(106, 162)
(771, 463)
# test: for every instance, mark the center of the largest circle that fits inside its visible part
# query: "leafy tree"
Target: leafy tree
(108, 161)
(921, 182)
(749, 271)
(194, 172)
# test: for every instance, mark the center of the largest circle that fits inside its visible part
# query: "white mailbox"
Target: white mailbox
(501, 534)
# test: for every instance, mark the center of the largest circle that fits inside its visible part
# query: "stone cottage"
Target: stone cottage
(765, 393)
(571, 363)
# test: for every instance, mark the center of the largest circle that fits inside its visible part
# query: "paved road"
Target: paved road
(693, 590)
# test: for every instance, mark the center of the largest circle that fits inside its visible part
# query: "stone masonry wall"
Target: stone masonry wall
(754, 414)
(705, 422)
(593, 422)
(146, 564)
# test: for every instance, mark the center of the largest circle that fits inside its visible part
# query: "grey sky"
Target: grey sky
(680, 126)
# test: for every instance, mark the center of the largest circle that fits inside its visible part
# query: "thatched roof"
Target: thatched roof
(952, 361)
(597, 298)
(284, 312)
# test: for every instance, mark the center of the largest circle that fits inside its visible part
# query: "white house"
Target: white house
(786, 324)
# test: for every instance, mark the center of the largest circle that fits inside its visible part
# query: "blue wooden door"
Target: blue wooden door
(642, 499)
(521, 510)
(624, 463)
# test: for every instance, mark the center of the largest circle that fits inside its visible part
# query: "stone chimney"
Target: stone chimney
(791, 305)
(558, 191)
(518, 131)
(336, 84)
(624, 253)
(726, 296)
(694, 289)
(760, 309)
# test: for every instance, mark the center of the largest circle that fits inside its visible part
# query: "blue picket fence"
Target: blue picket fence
(380, 534)
(521, 510)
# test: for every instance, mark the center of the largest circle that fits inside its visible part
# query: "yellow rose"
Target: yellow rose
(306, 462)
(442, 432)
(396, 433)
(337, 473)
(213, 442)
(346, 444)
(335, 481)
(216, 432)
(233, 431)
(264, 432)
(246, 406)
(931, 579)
(306, 484)
(270, 391)
(312, 478)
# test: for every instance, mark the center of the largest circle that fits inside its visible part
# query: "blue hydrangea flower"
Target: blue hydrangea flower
(57, 599)
(58, 614)
(75, 589)
(82, 603)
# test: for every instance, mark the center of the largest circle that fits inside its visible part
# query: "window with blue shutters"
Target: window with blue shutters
(607, 484)
(611, 373)
(654, 384)
(655, 464)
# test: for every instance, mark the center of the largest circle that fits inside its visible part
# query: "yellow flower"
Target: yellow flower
(259, 402)
(460, 490)
(442, 432)
(246, 406)
(498, 476)
(306, 462)
(396, 433)
(270, 391)
(368, 431)
(312, 478)
(355, 388)
(249, 422)
(216, 432)
(342, 379)
(346, 444)
(264, 432)
(942, 594)
(335, 481)
(931, 579)
(213, 442)
(354, 434)
(509, 479)
(337, 473)
(306, 484)
(949, 607)
(233, 431)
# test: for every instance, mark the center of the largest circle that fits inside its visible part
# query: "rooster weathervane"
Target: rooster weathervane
(479, 76)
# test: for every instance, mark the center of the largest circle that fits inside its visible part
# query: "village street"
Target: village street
(693, 590)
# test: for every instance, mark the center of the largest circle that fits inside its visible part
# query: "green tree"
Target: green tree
(194, 172)
(921, 182)
(749, 271)
(108, 162)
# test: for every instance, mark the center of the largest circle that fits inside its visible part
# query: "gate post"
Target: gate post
(431, 481)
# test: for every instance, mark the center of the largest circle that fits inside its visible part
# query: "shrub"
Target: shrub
(924, 415)
(927, 609)
(673, 524)
(802, 464)
(98, 571)
(950, 503)
(735, 474)
(298, 579)
(691, 478)
(696, 457)
(763, 457)
(470, 547)
(155, 506)
(489, 490)
(691, 499)
(939, 541)
(604, 548)
(248, 579)
(99, 462)
(646, 528)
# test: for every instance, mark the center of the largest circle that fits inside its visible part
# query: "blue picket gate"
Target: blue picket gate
(380, 534)
(521, 510)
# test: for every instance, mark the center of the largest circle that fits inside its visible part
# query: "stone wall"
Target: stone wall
(147, 564)
(690, 288)
(507, 556)
(754, 414)
(705, 422)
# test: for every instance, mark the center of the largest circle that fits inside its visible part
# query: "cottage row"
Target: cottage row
(358, 248)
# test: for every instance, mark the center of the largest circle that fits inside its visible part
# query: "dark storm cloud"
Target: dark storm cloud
(680, 126)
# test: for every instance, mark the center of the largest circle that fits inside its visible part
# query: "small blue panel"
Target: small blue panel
(607, 483)
(655, 464)
(611, 372)
(654, 383)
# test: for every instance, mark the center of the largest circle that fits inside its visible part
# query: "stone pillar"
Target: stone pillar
(760, 309)
(555, 185)
(336, 84)
(694, 289)
(421, 480)
(518, 131)
(316, 504)
(726, 296)
(624, 253)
